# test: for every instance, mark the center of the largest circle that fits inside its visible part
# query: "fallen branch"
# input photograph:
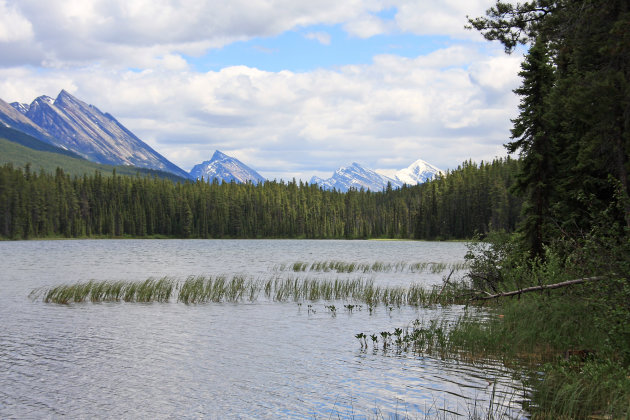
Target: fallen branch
(535, 288)
(446, 282)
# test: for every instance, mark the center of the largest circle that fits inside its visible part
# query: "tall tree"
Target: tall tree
(532, 138)
(583, 114)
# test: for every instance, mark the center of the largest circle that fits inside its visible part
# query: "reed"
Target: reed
(238, 288)
(375, 267)
(150, 290)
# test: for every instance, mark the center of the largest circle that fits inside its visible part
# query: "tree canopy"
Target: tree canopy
(573, 130)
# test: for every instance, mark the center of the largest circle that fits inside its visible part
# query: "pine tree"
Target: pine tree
(533, 140)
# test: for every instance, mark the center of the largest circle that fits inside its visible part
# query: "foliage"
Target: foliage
(473, 198)
(572, 388)
(573, 131)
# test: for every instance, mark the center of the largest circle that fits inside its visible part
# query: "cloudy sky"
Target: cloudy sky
(293, 88)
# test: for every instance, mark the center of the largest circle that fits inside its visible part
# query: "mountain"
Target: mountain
(417, 173)
(225, 169)
(31, 142)
(72, 124)
(11, 117)
(357, 177)
(20, 149)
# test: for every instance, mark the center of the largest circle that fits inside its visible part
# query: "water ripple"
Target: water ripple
(252, 360)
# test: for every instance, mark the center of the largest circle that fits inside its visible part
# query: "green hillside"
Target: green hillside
(31, 142)
(49, 158)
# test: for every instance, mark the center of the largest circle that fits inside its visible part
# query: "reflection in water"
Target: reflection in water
(261, 359)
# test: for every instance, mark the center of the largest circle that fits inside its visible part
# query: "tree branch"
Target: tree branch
(543, 287)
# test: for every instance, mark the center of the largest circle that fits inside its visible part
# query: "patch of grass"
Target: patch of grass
(150, 290)
(375, 267)
(201, 289)
(568, 363)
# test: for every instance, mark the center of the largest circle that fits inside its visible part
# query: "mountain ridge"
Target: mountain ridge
(72, 124)
(357, 177)
(225, 168)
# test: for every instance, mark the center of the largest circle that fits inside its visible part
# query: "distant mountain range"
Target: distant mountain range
(225, 169)
(357, 177)
(82, 129)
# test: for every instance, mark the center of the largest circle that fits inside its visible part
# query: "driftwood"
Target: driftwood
(536, 288)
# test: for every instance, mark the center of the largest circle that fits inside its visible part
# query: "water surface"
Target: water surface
(261, 359)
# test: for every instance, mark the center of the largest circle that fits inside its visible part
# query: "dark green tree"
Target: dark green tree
(533, 140)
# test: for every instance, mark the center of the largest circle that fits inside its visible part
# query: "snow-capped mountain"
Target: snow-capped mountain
(357, 177)
(74, 125)
(225, 169)
(13, 118)
(21, 108)
(417, 173)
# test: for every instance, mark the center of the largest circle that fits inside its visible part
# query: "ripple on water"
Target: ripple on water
(259, 360)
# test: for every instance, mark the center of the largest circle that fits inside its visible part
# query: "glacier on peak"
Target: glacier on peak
(225, 168)
(418, 172)
(356, 176)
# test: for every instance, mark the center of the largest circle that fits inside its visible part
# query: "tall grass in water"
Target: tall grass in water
(217, 289)
(572, 371)
(375, 267)
(150, 290)
(201, 289)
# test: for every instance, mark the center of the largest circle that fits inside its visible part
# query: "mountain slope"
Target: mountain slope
(19, 156)
(355, 176)
(31, 142)
(225, 169)
(11, 117)
(97, 136)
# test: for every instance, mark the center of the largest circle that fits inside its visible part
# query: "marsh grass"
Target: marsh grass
(238, 288)
(564, 358)
(150, 290)
(365, 268)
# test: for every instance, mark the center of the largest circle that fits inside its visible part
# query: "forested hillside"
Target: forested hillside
(474, 198)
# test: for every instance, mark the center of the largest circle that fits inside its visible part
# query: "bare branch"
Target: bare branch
(542, 287)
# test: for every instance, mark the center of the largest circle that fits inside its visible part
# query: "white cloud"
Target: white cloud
(445, 17)
(444, 107)
(366, 26)
(284, 124)
(13, 26)
(132, 33)
(321, 37)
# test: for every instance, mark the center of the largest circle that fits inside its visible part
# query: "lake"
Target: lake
(260, 359)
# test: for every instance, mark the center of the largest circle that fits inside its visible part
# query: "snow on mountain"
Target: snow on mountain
(417, 173)
(225, 169)
(355, 176)
(13, 118)
(82, 128)
(21, 108)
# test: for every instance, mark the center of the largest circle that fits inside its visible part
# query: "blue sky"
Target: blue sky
(293, 89)
(300, 50)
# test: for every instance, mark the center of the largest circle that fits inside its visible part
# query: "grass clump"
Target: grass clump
(150, 290)
(375, 267)
(238, 288)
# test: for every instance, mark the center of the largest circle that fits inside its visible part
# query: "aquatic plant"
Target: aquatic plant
(375, 267)
(238, 288)
(150, 290)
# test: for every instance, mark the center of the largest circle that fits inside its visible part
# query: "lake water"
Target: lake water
(260, 359)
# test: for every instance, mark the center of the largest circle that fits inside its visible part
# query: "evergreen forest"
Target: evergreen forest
(472, 199)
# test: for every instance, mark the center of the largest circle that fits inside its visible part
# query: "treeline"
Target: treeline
(471, 199)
